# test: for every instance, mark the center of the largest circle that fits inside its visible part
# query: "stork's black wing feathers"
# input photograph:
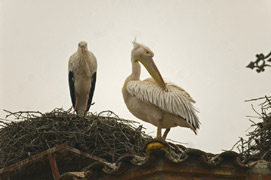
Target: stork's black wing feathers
(71, 85)
(92, 88)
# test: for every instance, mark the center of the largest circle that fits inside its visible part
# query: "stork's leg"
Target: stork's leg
(76, 102)
(86, 104)
(165, 133)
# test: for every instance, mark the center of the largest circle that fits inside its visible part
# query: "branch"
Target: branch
(260, 63)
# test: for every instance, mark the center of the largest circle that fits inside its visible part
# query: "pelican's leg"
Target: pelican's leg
(165, 133)
(159, 129)
(76, 102)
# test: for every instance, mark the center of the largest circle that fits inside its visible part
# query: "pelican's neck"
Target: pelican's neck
(136, 70)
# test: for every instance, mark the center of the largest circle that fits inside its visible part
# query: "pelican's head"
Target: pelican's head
(82, 46)
(144, 55)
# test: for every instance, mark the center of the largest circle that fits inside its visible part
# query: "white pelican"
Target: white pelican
(82, 78)
(162, 104)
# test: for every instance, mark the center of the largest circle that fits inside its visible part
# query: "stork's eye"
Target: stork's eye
(147, 52)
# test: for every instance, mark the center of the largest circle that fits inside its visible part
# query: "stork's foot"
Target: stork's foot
(85, 113)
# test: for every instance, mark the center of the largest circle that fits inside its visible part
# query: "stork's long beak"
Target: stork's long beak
(149, 64)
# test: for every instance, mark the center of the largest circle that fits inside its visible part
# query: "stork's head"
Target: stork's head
(82, 46)
(144, 55)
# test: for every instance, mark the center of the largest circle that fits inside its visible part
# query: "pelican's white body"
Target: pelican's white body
(163, 107)
(142, 104)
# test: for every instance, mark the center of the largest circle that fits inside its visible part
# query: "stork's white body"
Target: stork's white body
(83, 66)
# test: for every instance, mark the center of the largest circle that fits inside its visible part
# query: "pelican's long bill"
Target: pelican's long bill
(149, 64)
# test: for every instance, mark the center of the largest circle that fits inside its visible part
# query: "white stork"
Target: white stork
(82, 78)
(162, 104)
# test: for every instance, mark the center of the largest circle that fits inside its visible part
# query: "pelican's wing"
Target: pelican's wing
(71, 79)
(92, 88)
(176, 100)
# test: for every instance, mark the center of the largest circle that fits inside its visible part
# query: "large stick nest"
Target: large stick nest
(258, 144)
(104, 135)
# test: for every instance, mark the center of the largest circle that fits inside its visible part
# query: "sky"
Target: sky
(201, 45)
